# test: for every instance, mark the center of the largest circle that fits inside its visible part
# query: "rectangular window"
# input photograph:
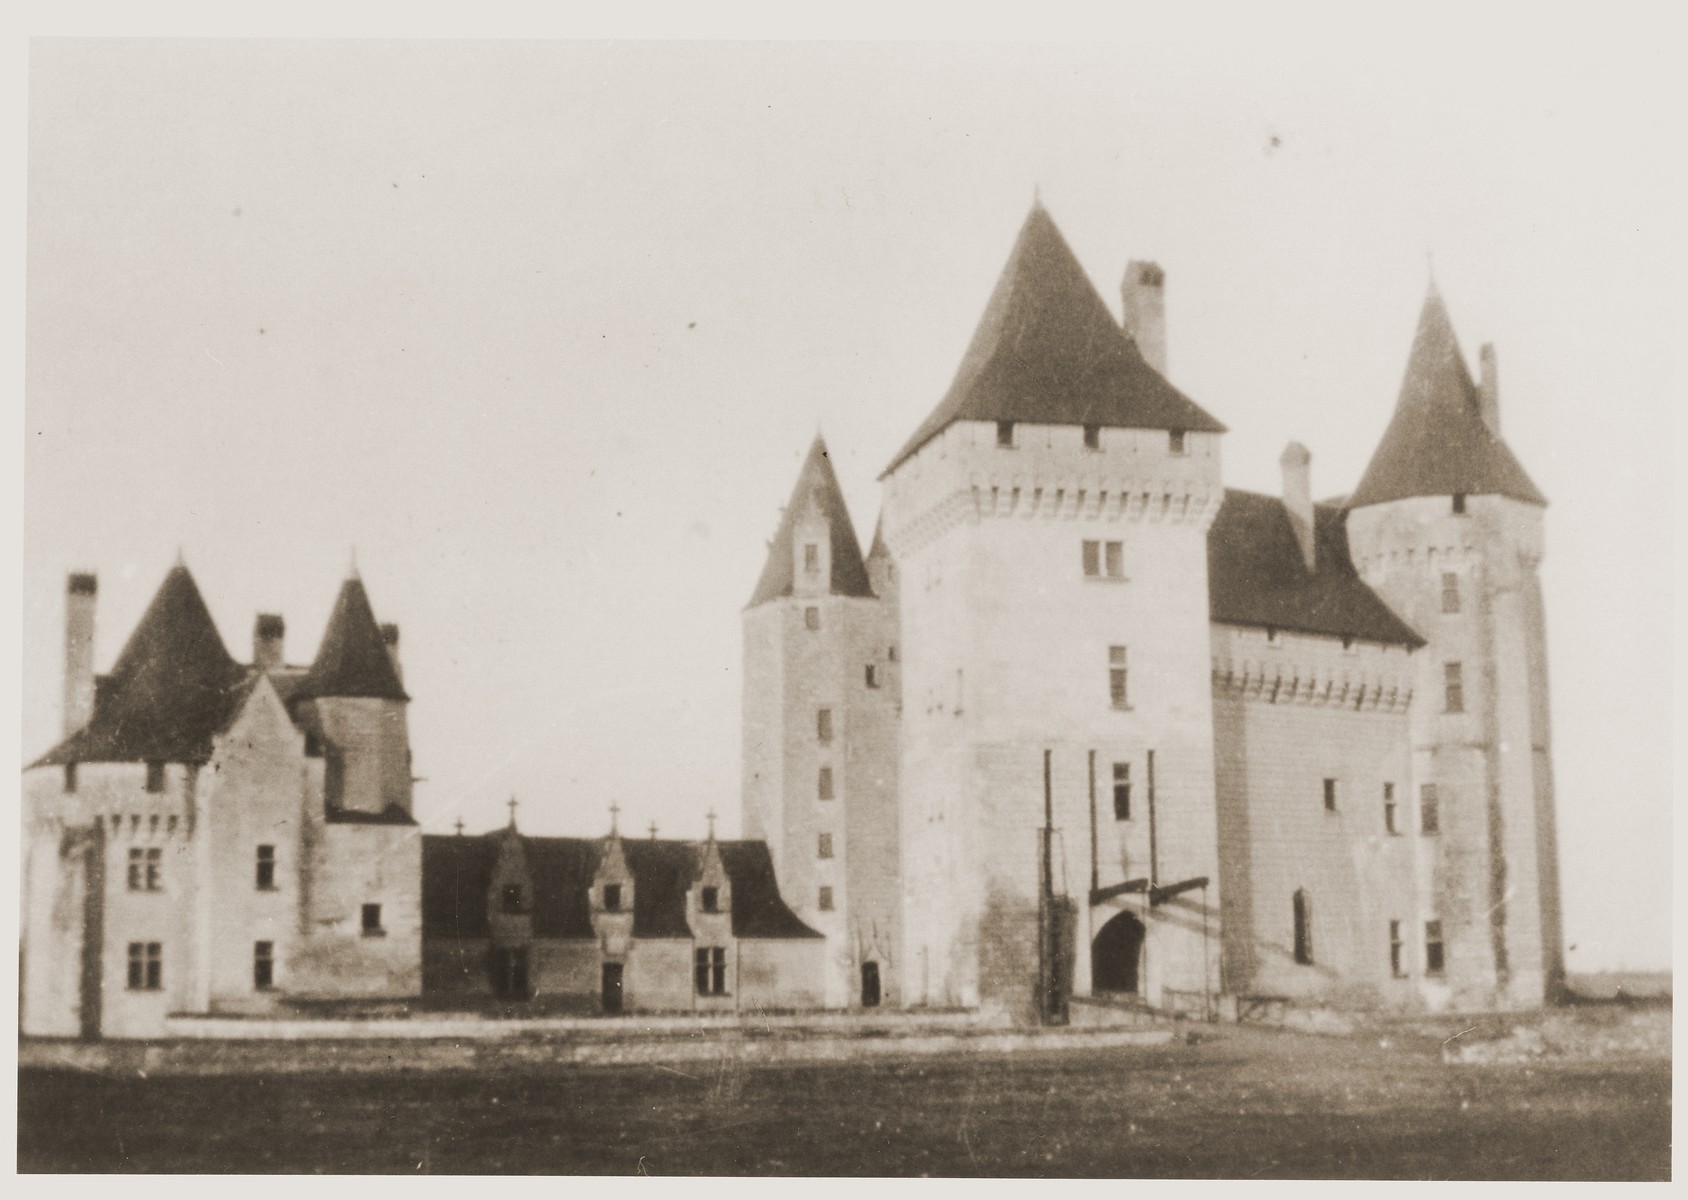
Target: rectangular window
(1116, 677)
(824, 901)
(823, 724)
(146, 869)
(263, 965)
(1115, 559)
(372, 920)
(612, 897)
(710, 970)
(266, 869)
(824, 850)
(70, 777)
(1396, 967)
(512, 898)
(1450, 592)
(155, 777)
(1092, 437)
(1005, 434)
(1122, 791)
(1092, 559)
(1433, 963)
(1429, 810)
(811, 617)
(146, 966)
(1453, 687)
(872, 676)
(1389, 823)
(1302, 905)
(811, 557)
(1175, 441)
(709, 899)
(1459, 503)
(1330, 795)
(823, 787)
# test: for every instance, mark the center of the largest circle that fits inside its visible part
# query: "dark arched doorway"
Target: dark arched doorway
(1116, 954)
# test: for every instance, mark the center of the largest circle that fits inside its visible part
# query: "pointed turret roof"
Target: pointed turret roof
(353, 659)
(818, 486)
(173, 686)
(1437, 443)
(1048, 351)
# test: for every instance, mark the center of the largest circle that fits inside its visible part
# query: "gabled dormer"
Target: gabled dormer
(611, 897)
(709, 901)
(510, 891)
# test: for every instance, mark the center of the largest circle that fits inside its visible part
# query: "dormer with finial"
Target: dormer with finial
(612, 893)
(510, 890)
(709, 903)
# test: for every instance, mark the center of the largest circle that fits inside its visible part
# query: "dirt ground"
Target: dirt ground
(1239, 1103)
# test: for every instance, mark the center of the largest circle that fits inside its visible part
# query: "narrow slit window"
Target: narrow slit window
(1453, 688)
(823, 724)
(1302, 906)
(1330, 795)
(1117, 692)
(70, 777)
(1397, 950)
(1434, 963)
(265, 869)
(823, 785)
(263, 965)
(1389, 819)
(1429, 810)
(1092, 558)
(1122, 791)
(872, 676)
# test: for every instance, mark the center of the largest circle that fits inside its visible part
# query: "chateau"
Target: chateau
(1082, 722)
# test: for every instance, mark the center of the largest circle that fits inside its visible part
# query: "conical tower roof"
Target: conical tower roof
(1437, 443)
(173, 686)
(816, 484)
(353, 660)
(1048, 351)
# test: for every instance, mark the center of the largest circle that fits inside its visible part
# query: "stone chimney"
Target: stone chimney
(269, 635)
(1144, 294)
(1488, 387)
(390, 639)
(81, 591)
(1298, 499)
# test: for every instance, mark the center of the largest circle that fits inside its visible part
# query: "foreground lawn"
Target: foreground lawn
(1246, 1103)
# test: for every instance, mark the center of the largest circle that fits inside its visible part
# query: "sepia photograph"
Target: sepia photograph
(1087, 603)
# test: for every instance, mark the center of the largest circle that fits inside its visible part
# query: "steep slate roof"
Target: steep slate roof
(1047, 351)
(457, 872)
(353, 659)
(1256, 575)
(173, 686)
(815, 481)
(1437, 443)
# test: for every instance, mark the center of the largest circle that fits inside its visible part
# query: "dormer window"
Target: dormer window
(612, 897)
(709, 899)
(811, 558)
(1175, 441)
(1459, 503)
(1092, 437)
(1005, 434)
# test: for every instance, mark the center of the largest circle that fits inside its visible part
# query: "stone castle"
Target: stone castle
(1081, 722)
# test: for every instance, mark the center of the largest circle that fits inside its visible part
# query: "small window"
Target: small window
(1092, 558)
(823, 724)
(372, 921)
(891, 653)
(512, 898)
(612, 897)
(710, 970)
(1459, 503)
(1005, 434)
(1115, 559)
(1450, 592)
(709, 899)
(70, 777)
(872, 675)
(824, 849)
(1122, 791)
(1389, 819)
(1347, 641)
(1175, 441)
(146, 869)
(1116, 677)
(1433, 960)
(1092, 437)
(263, 965)
(1429, 810)
(823, 784)
(155, 777)
(1302, 905)
(146, 966)
(811, 617)
(1453, 688)
(811, 557)
(1330, 795)
(265, 879)
(1397, 967)
(824, 901)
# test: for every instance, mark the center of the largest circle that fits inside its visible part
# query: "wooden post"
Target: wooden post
(1095, 866)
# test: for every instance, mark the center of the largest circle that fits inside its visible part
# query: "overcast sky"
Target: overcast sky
(545, 329)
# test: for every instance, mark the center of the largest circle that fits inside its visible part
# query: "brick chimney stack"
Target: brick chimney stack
(390, 639)
(1488, 387)
(1144, 294)
(81, 591)
(269, 635)
(1296, 463)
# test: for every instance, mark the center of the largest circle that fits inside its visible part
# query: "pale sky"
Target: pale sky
(544, 331)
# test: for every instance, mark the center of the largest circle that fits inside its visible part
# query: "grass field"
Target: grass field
(1240, 1103)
